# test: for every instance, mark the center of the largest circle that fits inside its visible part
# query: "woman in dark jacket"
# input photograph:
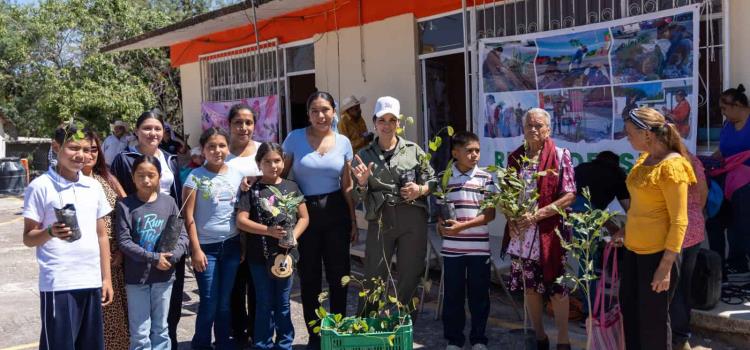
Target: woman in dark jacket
(149, 129)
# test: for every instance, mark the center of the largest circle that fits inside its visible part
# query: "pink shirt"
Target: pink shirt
(696, 222)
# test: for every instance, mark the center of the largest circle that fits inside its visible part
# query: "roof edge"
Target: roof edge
(179, 25)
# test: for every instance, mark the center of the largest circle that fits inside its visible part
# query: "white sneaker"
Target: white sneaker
(479, 346)
(452, 347)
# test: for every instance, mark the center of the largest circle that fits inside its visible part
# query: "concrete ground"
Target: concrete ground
(19, 302)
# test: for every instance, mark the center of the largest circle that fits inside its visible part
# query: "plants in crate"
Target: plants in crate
(387, 326)
(582, 246)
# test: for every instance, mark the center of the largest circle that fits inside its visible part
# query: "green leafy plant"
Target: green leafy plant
(514, 194)
(388, 315)
(282, 203)
(203, 184)
(582, 246)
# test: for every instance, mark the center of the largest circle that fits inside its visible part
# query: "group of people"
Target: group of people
(114, 276)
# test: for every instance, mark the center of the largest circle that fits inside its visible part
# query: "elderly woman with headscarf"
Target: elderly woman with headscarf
(536, 251)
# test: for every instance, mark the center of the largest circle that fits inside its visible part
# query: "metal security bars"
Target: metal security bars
(247, 71)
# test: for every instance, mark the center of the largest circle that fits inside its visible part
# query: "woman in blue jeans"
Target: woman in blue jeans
(210, 194)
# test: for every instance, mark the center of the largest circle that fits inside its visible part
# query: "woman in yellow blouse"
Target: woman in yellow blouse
(656, 224)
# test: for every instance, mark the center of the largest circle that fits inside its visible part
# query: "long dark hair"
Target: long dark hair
(148, 115)
(735, 95)
(320, 94)
(235, 111)
(212, 132)
(267, 147)
(100, 167)
(146, 159)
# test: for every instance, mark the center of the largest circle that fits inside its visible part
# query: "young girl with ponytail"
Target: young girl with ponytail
(656, 224)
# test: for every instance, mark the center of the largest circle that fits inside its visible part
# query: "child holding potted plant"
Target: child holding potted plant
(466, 245)
(73, 254)
(210, 195)
(274, 215)
(149, 274)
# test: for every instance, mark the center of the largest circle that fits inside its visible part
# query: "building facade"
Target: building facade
(423, 52)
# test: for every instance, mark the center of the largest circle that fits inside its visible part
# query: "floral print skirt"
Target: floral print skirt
(529, 272)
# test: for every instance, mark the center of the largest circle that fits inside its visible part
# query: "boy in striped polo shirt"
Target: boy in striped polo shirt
(466, 246)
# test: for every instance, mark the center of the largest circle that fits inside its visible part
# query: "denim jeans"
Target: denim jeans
(148, 307)
(215, 289)
(272, 310)
(466, 276)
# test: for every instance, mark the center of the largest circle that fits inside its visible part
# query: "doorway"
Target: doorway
(300, 88)
(444, 96)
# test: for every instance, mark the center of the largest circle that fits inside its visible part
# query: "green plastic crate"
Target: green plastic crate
(332, 340)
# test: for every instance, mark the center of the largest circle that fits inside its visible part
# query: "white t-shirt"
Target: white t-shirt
(167, 177)
(247, 165)
(67, 265)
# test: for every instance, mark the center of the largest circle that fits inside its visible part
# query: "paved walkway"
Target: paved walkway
(19, 300)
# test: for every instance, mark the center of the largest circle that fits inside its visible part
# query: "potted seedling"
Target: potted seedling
(171, 233)
(283, 208)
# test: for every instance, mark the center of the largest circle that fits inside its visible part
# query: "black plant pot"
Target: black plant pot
(170, 235)
(67, 215)
(288, 239)
(406, 177)
(448, 210)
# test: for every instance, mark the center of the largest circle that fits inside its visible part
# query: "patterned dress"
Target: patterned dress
(116, 334)
(526, 271)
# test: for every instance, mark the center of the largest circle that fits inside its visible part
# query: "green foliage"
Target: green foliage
(284, 203)
(203, 184)
(389, 314)
(514, 195)
(51, 67)
(582, 246)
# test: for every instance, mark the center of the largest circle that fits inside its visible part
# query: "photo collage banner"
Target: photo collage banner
(588, 78)
(265, 109)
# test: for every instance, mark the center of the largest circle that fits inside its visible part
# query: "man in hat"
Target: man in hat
(116, 142)
(352, 125)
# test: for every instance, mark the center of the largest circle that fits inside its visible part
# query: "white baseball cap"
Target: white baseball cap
(120, 123)
(387, 105)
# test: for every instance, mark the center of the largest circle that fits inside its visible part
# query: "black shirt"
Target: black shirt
(605, 180)
(250, 202)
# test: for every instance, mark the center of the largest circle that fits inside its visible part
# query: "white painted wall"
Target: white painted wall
(190, 77)
(390, 65)
(738, 45)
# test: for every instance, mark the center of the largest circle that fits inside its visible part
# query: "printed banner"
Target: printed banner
(588, 78)
(265, 109)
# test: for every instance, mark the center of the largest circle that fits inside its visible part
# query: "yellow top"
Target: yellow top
(658, 217)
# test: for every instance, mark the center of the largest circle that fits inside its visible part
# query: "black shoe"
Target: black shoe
(542, 344)
(563, 346)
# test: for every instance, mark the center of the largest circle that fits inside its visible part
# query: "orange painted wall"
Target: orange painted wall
(305, 23)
